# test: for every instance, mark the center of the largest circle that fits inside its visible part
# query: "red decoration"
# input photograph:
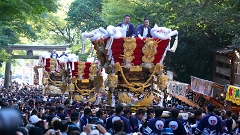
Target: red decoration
(117, 49)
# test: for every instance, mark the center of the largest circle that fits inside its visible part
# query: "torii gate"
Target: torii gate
(29, 55)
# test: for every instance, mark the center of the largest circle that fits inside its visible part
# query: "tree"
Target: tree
(86, 15)
(16, 17)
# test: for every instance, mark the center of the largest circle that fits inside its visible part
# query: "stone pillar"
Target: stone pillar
(7, 72)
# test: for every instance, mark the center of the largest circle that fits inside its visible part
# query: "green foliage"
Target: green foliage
(86, 14)
(16, 17)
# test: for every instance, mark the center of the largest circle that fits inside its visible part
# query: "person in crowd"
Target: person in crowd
(87, 116)
(63, 54)
(150, 115)
(136, 121)
(143, 30)
(72, 126)
(52, 114)
(32, 121)
(175, 124)
(236, 130)
(198, 115)
(118, 116)
(61, 114)
(101, 118)
(118, 126)
(127, 113)
(224, 125)
(128, 29)
(155, 125)
(210, 123)
(229, 122)
(43, 124)
(63, 127)
(54, 54)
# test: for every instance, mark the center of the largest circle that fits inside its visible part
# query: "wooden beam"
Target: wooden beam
(24, 57)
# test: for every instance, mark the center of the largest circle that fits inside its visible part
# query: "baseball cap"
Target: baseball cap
(33, 119)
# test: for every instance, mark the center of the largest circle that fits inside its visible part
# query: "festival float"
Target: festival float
(68, 76)
(134, 65)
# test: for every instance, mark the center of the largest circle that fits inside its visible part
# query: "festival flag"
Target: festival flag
(202, 86)
(177, 88)
(233, 94)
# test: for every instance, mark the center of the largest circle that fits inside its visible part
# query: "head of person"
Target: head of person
(146, 22)
(63, 126)
(74, 116)
(175, 113)
(150, 112)
(127, 19)
(140, 113)
(198, 114)
(54, 51)
(228, 114)
(63, 52)
(87, 112)
(119, 109)
(127, 113)
(43, 124)
(211, 108)
(158, 112)
(118, 126)
(99, 114)
(67, 103)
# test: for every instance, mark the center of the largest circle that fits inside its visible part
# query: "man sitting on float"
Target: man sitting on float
(128, 29)
(143, 30)
(54, 54)
(63, 54)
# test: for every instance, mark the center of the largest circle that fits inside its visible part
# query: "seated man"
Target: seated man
(143, 30)
(127, 27)
(54, 54)
(63, 54)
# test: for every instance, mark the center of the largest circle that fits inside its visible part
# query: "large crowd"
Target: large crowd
(26, 111)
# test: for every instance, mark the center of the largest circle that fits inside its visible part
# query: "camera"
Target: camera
(94, 127)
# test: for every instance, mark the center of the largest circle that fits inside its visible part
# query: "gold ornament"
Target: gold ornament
(112, 80)
(71, 87)
(129, 46)
(45, 81)
(162, 81)
(92, 99)
(81, 67)
(77, 98)
(52, 66)
(149, 50)
(98, 81)
(123, 97)
(93, 70)
(146, 101)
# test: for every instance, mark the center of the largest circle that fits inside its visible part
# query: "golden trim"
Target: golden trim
(132, 86)
(135, 69)
(85, 81)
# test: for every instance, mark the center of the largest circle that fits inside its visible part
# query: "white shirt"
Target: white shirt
(145, 32)
(124, 30)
